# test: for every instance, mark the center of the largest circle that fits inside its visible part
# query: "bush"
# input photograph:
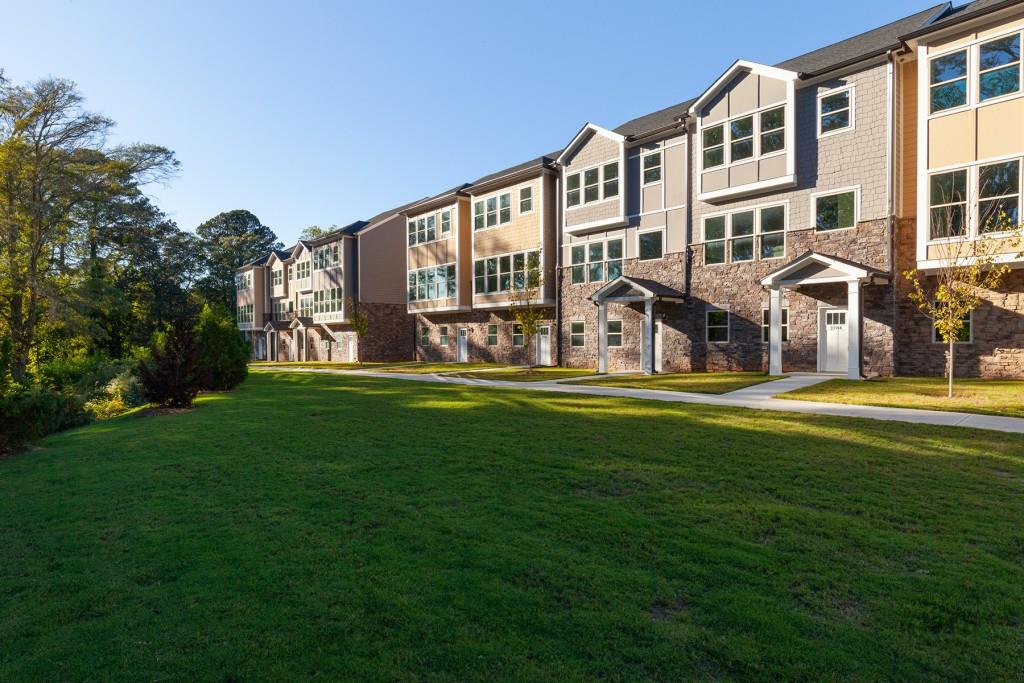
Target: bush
(224, 355)
(171, 376)
(33, 413)
(121, 393)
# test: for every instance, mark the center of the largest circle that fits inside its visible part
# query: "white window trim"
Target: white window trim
(512, 271)
(828, 193)
(937, 338)
(852, 89)
(438, 235)
(727, 140)
(440, 225)
(757, 209)
(973, 49)
(785, 325)
(487, 334)
(660, 167)
(427, 298)
(600, 185)
(578, 334)
(621, 333)
(647, 231)
(728, 325)
(519, 200)
(973, 198)
(496, 196)
(586, 253)
(523, 335)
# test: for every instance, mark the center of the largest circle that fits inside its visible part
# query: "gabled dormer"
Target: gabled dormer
(302, 267)
(745, 132)
(593, 192)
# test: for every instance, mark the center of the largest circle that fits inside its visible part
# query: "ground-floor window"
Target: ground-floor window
(966, 332)
(492, 335)
(717, 326)
(425, 336)
(614, 333)
(443, 334)
(577, 334)
(518, 338)
(766, 322)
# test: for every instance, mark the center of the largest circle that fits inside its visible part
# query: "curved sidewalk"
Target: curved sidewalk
(758, 397)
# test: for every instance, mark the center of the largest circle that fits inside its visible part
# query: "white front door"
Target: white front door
(462, 347)
(833, 340)
(544, 345)
(353, 349)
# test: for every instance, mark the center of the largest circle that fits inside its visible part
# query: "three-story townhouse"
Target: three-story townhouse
(251, 301)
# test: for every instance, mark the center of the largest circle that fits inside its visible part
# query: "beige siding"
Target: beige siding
(432, 254)
(382, 275)
(906, 145)
(521, 234)
(596, 150)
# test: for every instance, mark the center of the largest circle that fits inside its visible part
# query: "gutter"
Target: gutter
(939, 24)
(677, 122)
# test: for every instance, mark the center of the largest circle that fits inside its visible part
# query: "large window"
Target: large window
(427, 284)
(577, 334)
(999, 196)
(651, 245)
(592, 185)
(276, 278)
(424, 229)
(652, 168)
(999, 67)
(245, 313)
(835, 210)
(280, 309)
(766, 324)
(716, 326)
(326, 256)
(744, 138)
(306, 307)
(497, 210)
(503, 273)
(492, 334)
(614, 333)
(302, 270)
(835, 111)
(773, 130)
(759, 232)
(327, 301)
(243, 280)
(947, 196)
(596, 261)
(714, 146)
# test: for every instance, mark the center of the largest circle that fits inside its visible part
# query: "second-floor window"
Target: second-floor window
(245, 313)
(749, 137)
(502, 273)
(422, 230)
(326, 256)
(995, 65)
(446, 222)
(592, 185)
(306, 306)
(596, 261)
(492, 211)
(302, 270)
(280, 309)
(436, 282)
(327, 301)
(277, 278)
(994, 206)
(834, 210)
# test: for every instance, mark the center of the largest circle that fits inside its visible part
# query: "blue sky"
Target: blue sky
(323, 113)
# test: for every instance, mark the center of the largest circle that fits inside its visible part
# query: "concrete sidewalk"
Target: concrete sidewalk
(759, 397)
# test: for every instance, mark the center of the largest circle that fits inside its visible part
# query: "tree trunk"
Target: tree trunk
(952, 347)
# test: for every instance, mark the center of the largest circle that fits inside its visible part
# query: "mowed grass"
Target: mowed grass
(539, 374)
(318, 365)
(983, 396)
(352, 528)
(423, 368)
(694, 382)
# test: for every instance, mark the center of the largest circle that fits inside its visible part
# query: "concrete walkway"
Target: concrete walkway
(759, 397)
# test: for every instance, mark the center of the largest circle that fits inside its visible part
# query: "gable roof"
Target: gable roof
(965, 12)
(649, 288)
(427, 203)
(581, 135)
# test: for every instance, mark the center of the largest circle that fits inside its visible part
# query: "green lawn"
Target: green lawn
(349, 528)
(694, 382)
(317, 364)
(421, 368)
(541, 374)
(983, 396)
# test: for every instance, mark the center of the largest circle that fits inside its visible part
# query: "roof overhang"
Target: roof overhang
(587, 129)
(625, 289)
(302, 323)
(814, 268)
(738, 67)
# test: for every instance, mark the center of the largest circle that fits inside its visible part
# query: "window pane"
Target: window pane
(742, 150)
(611, 188)
(478, 268)
(614, 249)
(999, 82)
(999, 215)
(743, 223)
(614, 269)
(652, 175)
(835, 102)
(596, 272)
(579, 253)
(773, 142)
(590, 194)
(614, 326)
(997, 180)
(714, 228)
(949, 95)
(773, 245)
(590, 177)
(835, 211)
(505, 201)
(595, 251)
(506, 215)
(741, 128)
(650, 245)
(572, 198)
(773, 119)
(949, 67)
(947, 221)
(836, 121)
(948, 188)
(743, 249)
(652, 160)
(579, 275)
(714, 252)
(773, 219)
(713, 136)
(492, 266)
(518, 261)
(999, 52)
(577, 328)
(718, 318)
(573, 182)
(611, 171)
(714, 157)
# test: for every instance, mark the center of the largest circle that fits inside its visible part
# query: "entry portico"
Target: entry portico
(813, 268)
(629, 290)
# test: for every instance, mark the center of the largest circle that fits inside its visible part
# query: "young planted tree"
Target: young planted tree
(525, 295)
(171, 375)
(969, 266)
(359, 321)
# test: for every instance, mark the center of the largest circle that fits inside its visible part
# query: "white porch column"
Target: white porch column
(775, 330)
(602, 337)
(649, 337)
(853, 327)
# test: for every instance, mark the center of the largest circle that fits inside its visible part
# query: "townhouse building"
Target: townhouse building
(764, 224)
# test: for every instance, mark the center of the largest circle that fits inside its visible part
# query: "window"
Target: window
(502, 273)
(327, 301)
(714, 146)
(611, 180)
(306, 307)
(436, 282)
(999, 196)
(277, 278)
(835, 111)
(326, 257)
(446, 222)
(518, 338)
(741, 236)
(766, 322)
(412, 233)
(505, 208)
(302, 270)
(741, 139)
(772, 229)
(595, 262)
(966, 335)
(714, 240)
(279, 310)
(773, 130)
(525, 200)
(579, 269)
(244, 313)
(999, 67)
(443, 334)
(591, 190)
(431, 228)
(947, 196)
(572, 190)
(424, 336)
(577, 334)
(492, 335)
(948, 79)
(478, 215)
(614, 333)
(717, 326)
(243, 280)
(652, 168)
(614, 259)
(421, 230)
(651, 245)
(492, 211)
(835, 211)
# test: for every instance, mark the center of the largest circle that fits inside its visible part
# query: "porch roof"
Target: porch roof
(301, 322)
(816, 268)
(273, 325)
(626, 288)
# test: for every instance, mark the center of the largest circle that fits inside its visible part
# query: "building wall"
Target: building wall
(381, 270)
(478, 349)
(595, 150)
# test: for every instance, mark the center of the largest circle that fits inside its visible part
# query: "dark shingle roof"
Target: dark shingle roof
(964, 12)
(389, 213)
(656, 287)
(652, 122)
(536, 161)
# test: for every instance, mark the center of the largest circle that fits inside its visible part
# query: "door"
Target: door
(544, 345)
(462, 346)
(656, 346)
(832, 341)
(353, 351)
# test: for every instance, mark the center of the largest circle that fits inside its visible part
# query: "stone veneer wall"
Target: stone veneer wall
(998, 347)
(390, 335)
(479, 351)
